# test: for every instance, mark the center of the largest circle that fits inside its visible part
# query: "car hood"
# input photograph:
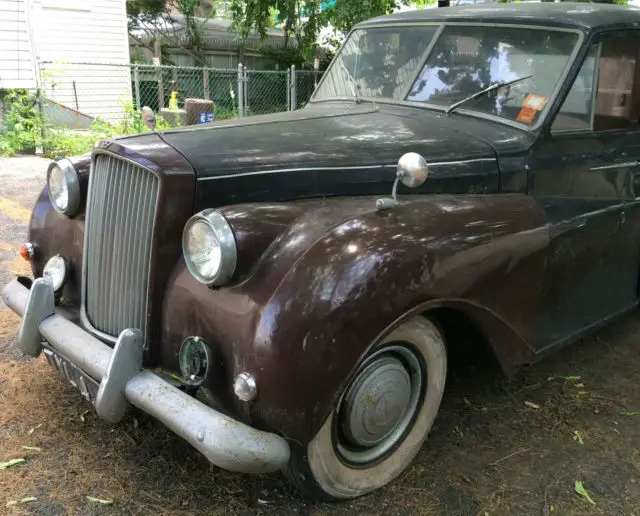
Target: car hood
(329, 149)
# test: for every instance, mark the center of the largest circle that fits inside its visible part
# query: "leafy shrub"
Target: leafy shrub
(25, 129)
(23, 123)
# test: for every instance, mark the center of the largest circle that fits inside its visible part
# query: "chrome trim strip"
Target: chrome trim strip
(617, 165)
(391, 166)
(595, 84)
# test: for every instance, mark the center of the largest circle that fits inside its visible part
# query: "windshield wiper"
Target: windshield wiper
(492, 87)
(352, 83)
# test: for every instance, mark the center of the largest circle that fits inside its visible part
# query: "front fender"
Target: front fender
(354, 283)
(52, 233)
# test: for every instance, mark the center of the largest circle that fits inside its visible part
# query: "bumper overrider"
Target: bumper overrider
(112, 379)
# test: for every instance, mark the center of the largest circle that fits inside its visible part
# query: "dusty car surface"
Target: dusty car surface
(307, 274)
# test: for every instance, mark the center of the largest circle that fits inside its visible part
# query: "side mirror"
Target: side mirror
(412, 171)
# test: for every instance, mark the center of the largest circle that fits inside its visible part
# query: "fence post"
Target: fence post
(136, 82)
(288, 89)
(205, 83)
(160, 89)
(157, 60)
(294, 93)
(245, 90)
(240, 92)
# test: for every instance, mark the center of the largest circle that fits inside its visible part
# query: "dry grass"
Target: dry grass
(8, 324)
(19, 267)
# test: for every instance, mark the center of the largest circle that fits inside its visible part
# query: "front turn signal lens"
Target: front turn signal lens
(27, 251)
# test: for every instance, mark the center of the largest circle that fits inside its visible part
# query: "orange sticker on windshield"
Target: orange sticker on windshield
(536, 102)
(526, 115)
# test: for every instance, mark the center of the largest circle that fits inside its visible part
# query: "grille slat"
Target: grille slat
(119, 230)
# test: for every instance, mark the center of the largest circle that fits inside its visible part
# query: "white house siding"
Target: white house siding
(77, 43)
(16, 53)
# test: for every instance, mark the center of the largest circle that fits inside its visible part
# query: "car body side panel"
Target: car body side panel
(301, 333)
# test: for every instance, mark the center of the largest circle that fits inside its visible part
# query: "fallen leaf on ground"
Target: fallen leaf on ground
(583, 492)
(12, 462)
(35, 428)
(100, 500)
(28, 499)
(33, 448)
(577, 436)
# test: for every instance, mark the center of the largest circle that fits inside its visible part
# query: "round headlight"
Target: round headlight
(64, 188)
(209, 248)
(55, 270)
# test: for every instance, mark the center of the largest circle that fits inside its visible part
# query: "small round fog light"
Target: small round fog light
(194, 358)
(244, 387)
(55, 270)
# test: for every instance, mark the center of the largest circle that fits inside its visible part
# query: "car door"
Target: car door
(585, 174)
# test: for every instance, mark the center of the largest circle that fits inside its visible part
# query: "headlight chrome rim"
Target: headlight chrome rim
(56, 270)
(70, 177)
(227, 247)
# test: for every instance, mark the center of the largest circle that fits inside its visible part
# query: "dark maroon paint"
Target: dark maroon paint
(529, 240)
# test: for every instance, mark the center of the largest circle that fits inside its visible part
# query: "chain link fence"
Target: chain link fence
(76, 95)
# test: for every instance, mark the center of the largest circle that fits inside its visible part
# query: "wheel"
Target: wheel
(381, 419)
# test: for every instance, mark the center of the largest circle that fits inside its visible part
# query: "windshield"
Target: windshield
(382, 61)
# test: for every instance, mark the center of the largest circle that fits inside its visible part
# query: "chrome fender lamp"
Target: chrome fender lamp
(412, 171)
(195, 359)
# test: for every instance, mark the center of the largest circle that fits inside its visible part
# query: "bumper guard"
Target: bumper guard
(225, 442)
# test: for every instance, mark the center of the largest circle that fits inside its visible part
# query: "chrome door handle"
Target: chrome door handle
(617, 165)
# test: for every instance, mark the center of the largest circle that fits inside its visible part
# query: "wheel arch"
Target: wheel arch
(470, 328)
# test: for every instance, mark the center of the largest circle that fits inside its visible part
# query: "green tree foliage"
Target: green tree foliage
(150, 15)
(303, 19)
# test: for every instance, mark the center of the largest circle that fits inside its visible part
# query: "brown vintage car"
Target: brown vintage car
(309, 313)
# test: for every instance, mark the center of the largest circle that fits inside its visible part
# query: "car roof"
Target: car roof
(585, 16)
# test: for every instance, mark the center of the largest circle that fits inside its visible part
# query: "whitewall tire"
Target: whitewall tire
(381, 419)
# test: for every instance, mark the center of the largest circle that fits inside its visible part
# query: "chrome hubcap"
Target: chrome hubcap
(379, 405)
(376, 401)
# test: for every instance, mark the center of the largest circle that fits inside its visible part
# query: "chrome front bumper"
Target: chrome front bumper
(225, 442)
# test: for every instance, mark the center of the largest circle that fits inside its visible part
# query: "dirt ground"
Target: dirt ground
(499, 447)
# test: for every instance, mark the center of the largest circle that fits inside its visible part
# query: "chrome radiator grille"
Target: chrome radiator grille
(118, 236)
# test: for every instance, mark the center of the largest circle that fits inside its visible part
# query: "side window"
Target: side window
(606, 92)
(575, 113)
